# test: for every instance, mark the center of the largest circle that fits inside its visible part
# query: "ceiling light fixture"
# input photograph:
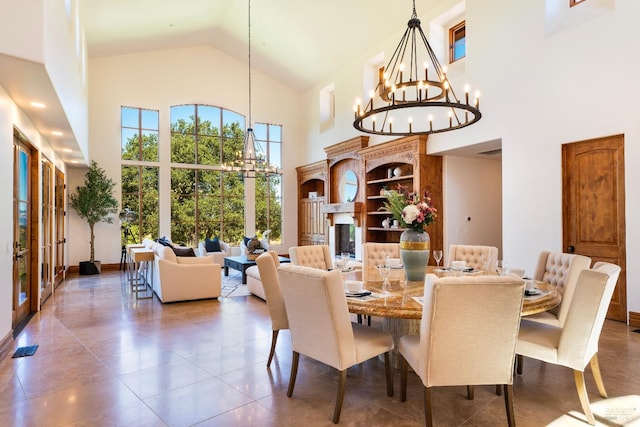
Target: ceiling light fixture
(38, 104)
(251, 161)
(422, 98)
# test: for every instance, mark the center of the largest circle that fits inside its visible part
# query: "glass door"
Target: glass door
(59, 268)
(23, 236)
(47, 232)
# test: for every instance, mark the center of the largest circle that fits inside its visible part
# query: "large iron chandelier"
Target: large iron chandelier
(251, 161)
(421, 99)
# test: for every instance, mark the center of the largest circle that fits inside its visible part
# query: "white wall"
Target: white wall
(157, 80)
(538, 92)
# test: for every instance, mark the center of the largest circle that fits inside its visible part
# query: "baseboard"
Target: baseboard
(76, 269)
(5, 345)
(634, 319)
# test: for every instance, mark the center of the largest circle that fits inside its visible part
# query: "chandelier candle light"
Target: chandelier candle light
(423, 95)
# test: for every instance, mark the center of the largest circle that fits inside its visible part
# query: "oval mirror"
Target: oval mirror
(348, 187)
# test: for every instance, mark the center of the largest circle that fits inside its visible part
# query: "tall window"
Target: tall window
(457, 42)
(269, 187)
(575, 2)
(206, 200)
(139, 172)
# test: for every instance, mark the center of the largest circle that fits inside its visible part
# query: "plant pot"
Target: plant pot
(414, 251)
(88, 267)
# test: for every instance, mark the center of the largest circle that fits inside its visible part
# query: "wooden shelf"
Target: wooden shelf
(394, 179)
(385, 213)
(386, 229)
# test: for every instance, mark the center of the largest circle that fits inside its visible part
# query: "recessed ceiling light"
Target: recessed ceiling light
(75, 162)
(67, 150)
(56, 133)
(38, 104)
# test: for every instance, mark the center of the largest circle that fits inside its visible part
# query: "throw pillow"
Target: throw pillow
(246, 241)
(164, 241)
(181, 251)
(212, 245)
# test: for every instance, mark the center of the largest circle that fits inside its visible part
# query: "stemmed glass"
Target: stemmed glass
(383, 269)
(437, 255)
(502, 267)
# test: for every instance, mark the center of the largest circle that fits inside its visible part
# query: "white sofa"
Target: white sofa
(254, 283)
(218, 257)
(183, 278)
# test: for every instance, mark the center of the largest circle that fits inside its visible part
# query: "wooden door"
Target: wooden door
(59, 212)
(25, 232)
(46, 273)
(594, 207)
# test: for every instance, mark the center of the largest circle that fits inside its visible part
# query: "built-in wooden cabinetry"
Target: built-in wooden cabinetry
(403, 162)
(379, 167)
(312, 197)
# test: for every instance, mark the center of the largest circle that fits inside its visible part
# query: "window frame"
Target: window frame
(453, 32)
(575, 2)
(275, 236)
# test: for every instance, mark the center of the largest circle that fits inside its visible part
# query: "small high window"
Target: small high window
(457, 42)
(575, 2)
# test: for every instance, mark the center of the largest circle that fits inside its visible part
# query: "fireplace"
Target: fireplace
(345, 240)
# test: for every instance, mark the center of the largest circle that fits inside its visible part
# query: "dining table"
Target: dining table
(403, 300)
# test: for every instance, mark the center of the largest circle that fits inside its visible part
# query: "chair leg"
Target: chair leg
(274, 340)
(360, 319)
(389, 373)
(508, 402)
(584, 398)
(340, 396)
(519, 363)
(428, 422)
(470, 392)
(294, 373)
(595, 369)
(404, 368)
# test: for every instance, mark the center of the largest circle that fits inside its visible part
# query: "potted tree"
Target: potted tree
(94, 202)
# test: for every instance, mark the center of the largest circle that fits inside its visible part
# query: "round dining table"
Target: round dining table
(401, 303)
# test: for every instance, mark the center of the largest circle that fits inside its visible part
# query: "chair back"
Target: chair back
(273, 293)
(469, 330)
(581, 331)
(562, 270)
(316, 256)
(374, 254)
(318, 315)
(473, 256)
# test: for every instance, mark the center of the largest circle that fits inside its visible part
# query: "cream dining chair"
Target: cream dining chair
(321, 328)
(575, 343)
(374, 254)
(475, 256)
(561, 270)
(316, 256)
(268, 263)
(467, 336)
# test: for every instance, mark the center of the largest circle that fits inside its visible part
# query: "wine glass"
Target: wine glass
(502, 267)
(383, 269)
(437, 255)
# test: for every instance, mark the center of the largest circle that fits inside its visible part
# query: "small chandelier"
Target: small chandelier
(423, 98)
(250, 161)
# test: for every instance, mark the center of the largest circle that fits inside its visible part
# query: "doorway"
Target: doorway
(59, 212)
(46, 273)
(593, 211)
(25, 231)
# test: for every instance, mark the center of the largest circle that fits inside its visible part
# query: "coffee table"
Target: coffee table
(241, 263)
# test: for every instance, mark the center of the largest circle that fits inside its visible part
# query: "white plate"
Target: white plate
(362, 293)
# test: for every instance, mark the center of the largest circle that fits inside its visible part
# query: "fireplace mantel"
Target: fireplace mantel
(352, 208)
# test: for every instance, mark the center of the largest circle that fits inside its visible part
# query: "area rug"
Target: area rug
(232, 285)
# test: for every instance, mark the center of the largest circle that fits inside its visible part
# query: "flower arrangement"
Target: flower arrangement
(409, 209)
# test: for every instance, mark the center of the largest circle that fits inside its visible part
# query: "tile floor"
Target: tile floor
(107, 359)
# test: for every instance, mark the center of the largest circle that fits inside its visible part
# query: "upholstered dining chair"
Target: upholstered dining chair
(575, 343)
(316, 256)
(321, 328)
(562, 270)
(268, 263)
(376, 253)
(467, 336)
(474, 256)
